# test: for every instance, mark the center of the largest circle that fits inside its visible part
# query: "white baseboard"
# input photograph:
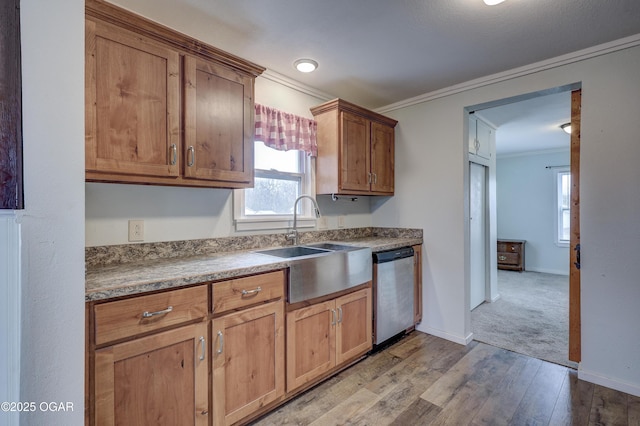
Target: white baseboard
(496, 298)
(444, 335)
(590, 376)
(548, 271)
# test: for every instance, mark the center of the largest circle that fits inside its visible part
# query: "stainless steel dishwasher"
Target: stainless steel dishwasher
(393, 293)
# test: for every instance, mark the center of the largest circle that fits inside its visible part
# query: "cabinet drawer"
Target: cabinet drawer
(509, 258)
(241, 292)
(126, 318)
(509, 247)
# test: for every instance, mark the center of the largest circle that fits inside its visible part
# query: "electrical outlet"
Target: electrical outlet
(341, 221)
(322, 222)
(136, 230)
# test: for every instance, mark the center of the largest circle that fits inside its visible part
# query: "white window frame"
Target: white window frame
(306, 217)
(558, 206)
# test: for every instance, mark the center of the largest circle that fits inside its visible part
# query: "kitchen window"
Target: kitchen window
(563, 207)
(281, 174)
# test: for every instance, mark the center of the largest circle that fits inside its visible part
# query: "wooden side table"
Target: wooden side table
(511, 255)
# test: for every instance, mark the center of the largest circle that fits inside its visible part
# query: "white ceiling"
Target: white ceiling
(531, 125)
(379, 52)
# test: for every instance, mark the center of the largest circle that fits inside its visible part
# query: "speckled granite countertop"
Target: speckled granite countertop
(109, 280)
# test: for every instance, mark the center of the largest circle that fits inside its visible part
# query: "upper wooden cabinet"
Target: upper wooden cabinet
(218, 117)
(355, 150)
(132, 89)
(163, 108)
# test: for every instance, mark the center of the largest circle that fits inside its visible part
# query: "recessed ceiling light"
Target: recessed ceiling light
(492, 2)
(305, 65)
(566, 127)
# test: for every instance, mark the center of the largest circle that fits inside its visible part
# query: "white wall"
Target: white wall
(172, 214)
(526, 192)
(52, 360)
(9, 312)
(430, 175)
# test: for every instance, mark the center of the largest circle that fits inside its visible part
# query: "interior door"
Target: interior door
(478, 234)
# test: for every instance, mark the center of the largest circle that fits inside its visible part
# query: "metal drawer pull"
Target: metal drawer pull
(340, 315)
(191, 151)
(221, 347)
(254, 291)
(147, 314)
(502, 257)
(203, 348)
(333, 316)
(174, 154)
(375, 178)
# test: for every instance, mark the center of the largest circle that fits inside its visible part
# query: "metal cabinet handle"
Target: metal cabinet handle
(191, 153)
(250, 292)
(333, 316)
(369, 178)
(340, 315)
(202, 348)
(174, 154)
(502, 257)
(221, 338)
(375, 178)
(147, 314)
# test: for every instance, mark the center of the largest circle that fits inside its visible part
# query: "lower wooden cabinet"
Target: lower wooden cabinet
(160, 379)
(324, 335)
(248, 361)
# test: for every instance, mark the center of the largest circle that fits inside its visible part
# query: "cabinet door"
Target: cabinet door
(382, 158)
(472, 134)
(248, 361)
(311, 349)
(354, 325)
(132, 91)
(484, 134)
(355, 161)
(218, 123)
(156, 380)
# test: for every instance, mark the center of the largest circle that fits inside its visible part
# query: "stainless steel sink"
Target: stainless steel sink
(322, 269)
(295, 251)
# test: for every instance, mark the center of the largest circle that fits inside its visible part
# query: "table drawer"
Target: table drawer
(125, 318)
(241, 292)
(509, 258)
(509, 247)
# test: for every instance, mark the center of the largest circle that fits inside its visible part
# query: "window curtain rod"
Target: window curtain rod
(556, 167)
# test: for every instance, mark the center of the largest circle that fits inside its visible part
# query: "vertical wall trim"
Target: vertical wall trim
(10, 284)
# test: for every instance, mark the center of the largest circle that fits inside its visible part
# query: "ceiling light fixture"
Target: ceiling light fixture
(305, 65)
(492, 2)
(566, 127)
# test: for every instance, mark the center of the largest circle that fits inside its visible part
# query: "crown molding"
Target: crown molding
(535, 152)
(295, 85)
(580, 55)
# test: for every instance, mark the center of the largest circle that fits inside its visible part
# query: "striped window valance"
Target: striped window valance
(284, 131)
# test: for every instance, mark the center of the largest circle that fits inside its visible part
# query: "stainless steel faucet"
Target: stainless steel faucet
(293, 235)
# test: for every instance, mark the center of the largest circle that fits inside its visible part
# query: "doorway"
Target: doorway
(535, 250)
(477, 233)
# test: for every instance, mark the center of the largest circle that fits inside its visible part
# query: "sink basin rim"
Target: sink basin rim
(295, 252)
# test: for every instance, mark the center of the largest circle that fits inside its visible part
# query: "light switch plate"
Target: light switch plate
(341, 221)
(322, 222)
(136, 230)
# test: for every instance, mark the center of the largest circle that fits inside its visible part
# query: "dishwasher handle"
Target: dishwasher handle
(391, 255)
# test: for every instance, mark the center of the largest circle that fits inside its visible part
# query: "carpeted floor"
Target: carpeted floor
(531, 317)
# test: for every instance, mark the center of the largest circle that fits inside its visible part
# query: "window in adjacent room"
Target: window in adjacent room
(281, 174)
(563, 211)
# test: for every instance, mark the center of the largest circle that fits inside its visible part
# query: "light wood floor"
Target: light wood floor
(425, 380)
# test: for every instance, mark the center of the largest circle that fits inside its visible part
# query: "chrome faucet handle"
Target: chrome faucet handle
(292, 236)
